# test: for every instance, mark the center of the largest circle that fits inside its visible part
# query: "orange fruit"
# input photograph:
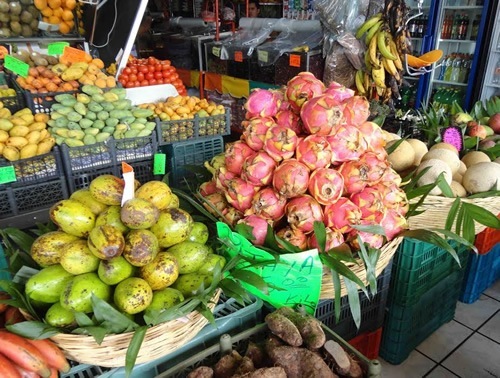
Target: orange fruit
(47, 12)
(70, 4)
(98, 63)
(64, 28)
(54, 4)
(40, 4)
(57, 12)
(67, 15)
(54, 20)
(71, 24)
(432, 56)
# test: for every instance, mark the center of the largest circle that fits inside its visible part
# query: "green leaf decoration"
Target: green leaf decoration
(20, 238)
(370, 258)
(233, 289)
(432, 237)
(372, 229)
(270, 240)
(33, 330)
(342, 253)
(491, 193)
(133, 349)
(471, 143)
(251, 278)
(343, 270)
(287, 246)
(354, 304)
(98, 333)
(188, 198)
(452, 214)
(443, 185)
(245, 230)
(110, 317)
(337, 288)
(481, 215)
(83, 320)
(320, 233)
(468, 231)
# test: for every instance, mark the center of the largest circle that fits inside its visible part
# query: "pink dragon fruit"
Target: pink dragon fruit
(215, 203)
(334, 238)
(268, 204)
(236, 153)
(347, 144)
(280, 142)
(314, 151)
(258, 169)
(262, 103)
(294, 237)
(302, 212)
(321, 115)
(370, 202)
(301, 88)
(232, 216)
(341, 215)
(368, 170)
(339, 92)
(222, 176)
(373, 240)
(209, 187)
(239, 193)
(373, 135)
(326, 185)
(393, 223)
(259, 228)
(291, 178)
(289, 119)
(356, 110)
(393, 197)
(255, 132)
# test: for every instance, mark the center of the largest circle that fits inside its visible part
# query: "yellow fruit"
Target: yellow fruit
(40, 4)
(54, 4)
(67, 15)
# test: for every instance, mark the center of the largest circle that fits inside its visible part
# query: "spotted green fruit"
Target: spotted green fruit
(77, 294)
(192, 283)
(173, 226)
(115, 270)
(165, 299)
(199, 233)
(58, 316)
(106, 242)
(76, 258)
(47, 285)
(72, 217)
(111, 217)
(161, 272)
(133, 295)
(190, 255)
(46, 249)
(210, 263)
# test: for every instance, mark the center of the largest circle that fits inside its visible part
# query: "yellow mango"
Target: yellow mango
(80, 65)
(34, 137)
(45, 146)
(11, 153)
(28, 151)
(182, 110)
(93, 69)
(17, 141)
(72, 74)
(22, 112)
(2, 146)
(44, 134)
(5, 113)
(4, 135)
(19, 131)
(37, 126)
(18, 121)
(5, 124)
(29, 118)
(59, 68)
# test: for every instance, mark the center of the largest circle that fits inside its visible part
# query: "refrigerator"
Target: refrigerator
(461, 29)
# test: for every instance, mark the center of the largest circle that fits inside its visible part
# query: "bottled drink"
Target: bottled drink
(456, 25)
(475, 28)
(448, 65)
(463, 27)
(447, 26)
(496, 73)
(464, 70)
(443, 68)
(455, 71)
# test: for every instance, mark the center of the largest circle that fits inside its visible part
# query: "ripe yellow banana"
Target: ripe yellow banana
(368, 63)
(371, 33)
(390, 67)
(367, 82)
(378, 75)
(372, 50)
(368, 24)
(394, 49)
(382, 45)
(359, 82)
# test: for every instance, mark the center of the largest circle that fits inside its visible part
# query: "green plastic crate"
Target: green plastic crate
(419, 266)
(4, 272)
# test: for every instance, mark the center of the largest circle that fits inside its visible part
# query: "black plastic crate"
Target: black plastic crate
(15, 102)
(82, 179)
(143, 170)
(42, 102)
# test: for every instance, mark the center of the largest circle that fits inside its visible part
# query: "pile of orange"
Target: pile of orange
(58, 12)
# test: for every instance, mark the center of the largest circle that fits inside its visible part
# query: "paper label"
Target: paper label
(295, 279)
(294, 60)
(453, 135)
(262, 56)
(159, 163)
(74, 55)
(129, 178)
(56, 48)
(7, 174)
(16, 65)
(216, 51)
(238, 56)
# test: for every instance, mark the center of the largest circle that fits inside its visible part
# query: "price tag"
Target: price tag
(56, 48)
(238, 56)
(7, 174)
(294, 60)
(159, 163)
(263, 56)
(16, 65)
(216, 51)
(295, 279)
(453, 135)
(74, 55)
(129, 178)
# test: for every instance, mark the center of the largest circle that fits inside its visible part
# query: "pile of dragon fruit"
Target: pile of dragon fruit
(309, 154)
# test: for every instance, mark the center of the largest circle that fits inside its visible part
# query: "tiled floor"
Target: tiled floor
(466, 347)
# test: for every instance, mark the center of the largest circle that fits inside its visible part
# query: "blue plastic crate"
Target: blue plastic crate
(482, 272)
(4, 272)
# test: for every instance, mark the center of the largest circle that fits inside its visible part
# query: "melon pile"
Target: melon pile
(308, 154)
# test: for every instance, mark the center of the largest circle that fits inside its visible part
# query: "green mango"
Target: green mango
(103, 115)
(190, 255)
(65, 96)
(72, 216)
(98, 124)
(102, 137)
(112, 122)
(190, 284)
(91, 115)
(91, 89)
(77, 294)
(108, 106)
(85, 123)
(58, 316)
(80, 108)
(94, 107)
(74, 116)
(62, 122)
(47, 285)
(89, 139)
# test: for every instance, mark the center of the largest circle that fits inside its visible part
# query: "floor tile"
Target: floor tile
(477, 357)
(444, 340)
(441, 372)
(475, 314)
(415, 366)
(492, 328)
(494, 290)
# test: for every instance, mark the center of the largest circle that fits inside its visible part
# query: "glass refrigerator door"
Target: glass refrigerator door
(491, 86)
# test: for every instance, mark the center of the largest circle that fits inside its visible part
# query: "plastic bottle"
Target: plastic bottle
(455, 27)
(464, 26)
(475, 28)
(448, 64)
(455, 71)
(447, 26)
(443, 68)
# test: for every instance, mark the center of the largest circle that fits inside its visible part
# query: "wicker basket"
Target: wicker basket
(159, 341)
(387, 252)
(437, 209)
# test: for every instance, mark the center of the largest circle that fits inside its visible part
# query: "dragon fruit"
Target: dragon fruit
(314, 151)
(289, 119)
(393, 197)
(322, 115)
(293, 236)
(215, 203)
(393, 223)
(209, 187)
(302, 212)
(373, 240)
(232, 216)
(301, 88)
(259, 228)
(368, 170)
(236, 153)
(390, 176)
(347, 144)
(326, 185)
(341, 215)
(291, 178)
(373, 135)
(339, 92)
(268, 204)
(258, 169)
(262, 103)
(222, 176)
(239, 193)
(370, 202)
(255, 132)
(280, 142)
(356, 110)
(334, 238)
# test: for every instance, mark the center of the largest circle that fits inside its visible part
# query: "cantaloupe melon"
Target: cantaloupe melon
(402, 157)
(457, 189)
(443, 145)
(449, 157)
(474, 157)
(482, 177)
(420, 149)
(436, 168)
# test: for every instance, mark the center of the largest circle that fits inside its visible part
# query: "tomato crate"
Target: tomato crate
(15, 102)
(368, 343)
(406, 326)
(486, 240)
(482, 272)
(194, 128)
(372, 310)
(418, 266)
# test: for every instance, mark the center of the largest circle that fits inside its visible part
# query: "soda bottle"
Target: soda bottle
(475, 28)
(448, 65)
(436, 98)
(455, 71)
(456, 25)
(464, 25)
(443, 68)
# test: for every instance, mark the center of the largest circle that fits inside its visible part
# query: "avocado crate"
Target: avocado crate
(406, 326)
(368, 343)
(230, 316)
(418, 266)
(184, 154)
(482, 272)
(194, 128)
(239, 342)
(372, 310)
(15, 102)
(486, 240)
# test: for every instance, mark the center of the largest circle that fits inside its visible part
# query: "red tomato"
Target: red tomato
(177, 82)
(166, 74)
(158, 67)
(130, 84)
(133, 70)
(144, 83)
(164, 67)
(143, 69)
(153, 82)
(166, 62)
(137, 84)
(127, 70)
(175, 76)
(149, 76)
(151, 68)
(133, 77)
(158, 75)
(160, 81)
(140, 76)
(123, 77)
(152, 60)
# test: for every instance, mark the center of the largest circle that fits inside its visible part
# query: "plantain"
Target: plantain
(397, 62)
(368, 24)
(390, 67)
(378, 75)
(382, 36)
(359, 80)
(373, 30)
(372, 51)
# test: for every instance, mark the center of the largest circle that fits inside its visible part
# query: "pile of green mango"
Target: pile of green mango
(94, 116)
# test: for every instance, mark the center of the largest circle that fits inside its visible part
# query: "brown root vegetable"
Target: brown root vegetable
(300, 362)
(256, 354)
(308, 326)
(227, 365)
(270, 372)
(284, 328)
(355, 371)
(339, 356)
(246, 366)
(201, 372)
